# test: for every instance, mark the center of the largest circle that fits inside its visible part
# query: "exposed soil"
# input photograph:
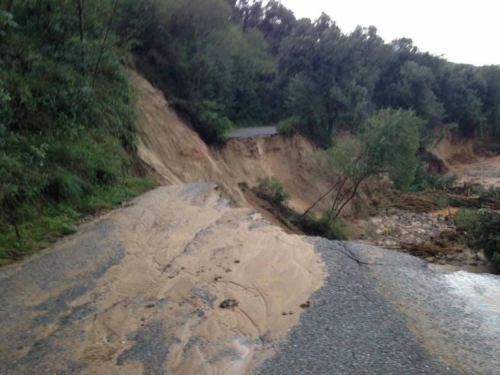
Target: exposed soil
(465, 157)
(177, 154)
(177, 282)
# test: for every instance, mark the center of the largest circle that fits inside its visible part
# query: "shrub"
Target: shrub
(288, 127)
(324, 226)
(442, 202)
(486, 236)
(270, 189)
(437, 181)
(67, 140)
(65, 186)
(466, 219)
(491, 193)
(207, 119)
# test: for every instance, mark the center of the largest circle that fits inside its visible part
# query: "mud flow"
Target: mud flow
(145, 290)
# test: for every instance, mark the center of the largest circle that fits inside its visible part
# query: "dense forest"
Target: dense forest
(67, 133)
(242, 62)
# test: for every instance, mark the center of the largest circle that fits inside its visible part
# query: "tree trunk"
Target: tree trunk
(103, 46)
(353, 193)
(319, 200)
(9, 6)
(80, 4)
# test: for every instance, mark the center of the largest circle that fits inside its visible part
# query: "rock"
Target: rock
(306, 305)
(430, 259)
(228, 303)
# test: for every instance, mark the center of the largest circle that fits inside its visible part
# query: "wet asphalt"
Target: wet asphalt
(253, 132)
(379, 312)
(354, 327)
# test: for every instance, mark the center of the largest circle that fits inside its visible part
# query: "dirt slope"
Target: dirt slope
(463, 156)
(178, 155)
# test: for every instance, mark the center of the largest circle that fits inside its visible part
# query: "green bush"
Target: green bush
(490, 193)
(466, 219)
(217, 125)
(442, 202)
(486, 236)
(207, 119)
(437, 181)
(289, 126)
(270, 189)
(67, 137)
(323, 226)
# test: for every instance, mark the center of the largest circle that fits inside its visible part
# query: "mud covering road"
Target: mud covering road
(139, 292)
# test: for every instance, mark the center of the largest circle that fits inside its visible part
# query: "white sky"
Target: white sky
(464, 31)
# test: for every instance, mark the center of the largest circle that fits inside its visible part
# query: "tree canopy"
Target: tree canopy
(262, 65)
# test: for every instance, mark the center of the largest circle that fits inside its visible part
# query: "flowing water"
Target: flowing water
(482, 293)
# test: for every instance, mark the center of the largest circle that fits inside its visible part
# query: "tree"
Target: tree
(80, 8)
(388, 144)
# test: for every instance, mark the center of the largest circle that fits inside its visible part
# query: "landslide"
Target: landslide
(141, 290)
(470, 159)
(178, 155)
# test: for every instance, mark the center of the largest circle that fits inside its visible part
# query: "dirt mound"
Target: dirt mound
(179, 156)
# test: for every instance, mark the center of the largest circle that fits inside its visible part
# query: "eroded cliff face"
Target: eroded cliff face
(140, 290)
(177, 154)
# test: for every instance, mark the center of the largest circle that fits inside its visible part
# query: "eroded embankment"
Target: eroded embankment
(467, 158)
(139, 291)
(177, 154)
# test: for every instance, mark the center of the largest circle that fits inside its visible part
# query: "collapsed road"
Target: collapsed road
(141, 290)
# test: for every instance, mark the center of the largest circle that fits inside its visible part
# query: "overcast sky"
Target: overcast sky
(464, 31)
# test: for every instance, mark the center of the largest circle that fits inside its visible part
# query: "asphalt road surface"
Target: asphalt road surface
(253, 132)
(378, 312)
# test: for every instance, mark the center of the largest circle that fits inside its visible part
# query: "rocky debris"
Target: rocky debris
(429, 236)
(305, 305)
(402, 226)
(229, 304)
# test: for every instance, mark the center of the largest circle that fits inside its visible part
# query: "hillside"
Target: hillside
(178, 155)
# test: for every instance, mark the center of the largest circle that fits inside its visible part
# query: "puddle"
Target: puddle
(482, 293)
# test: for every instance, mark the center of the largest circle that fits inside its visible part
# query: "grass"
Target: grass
(44, 227)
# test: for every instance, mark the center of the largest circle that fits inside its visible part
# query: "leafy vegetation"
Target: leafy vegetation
(486, 237)
(325, 226)
(67, 137)
(466, 219)
(328, 226)
(388, 143)
(258, 64)
(270, 189)
(66, 109)
(425, 180)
